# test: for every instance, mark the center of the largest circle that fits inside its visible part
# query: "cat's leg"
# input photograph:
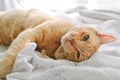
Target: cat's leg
(7, 62)
(0, 41)
(0, 38)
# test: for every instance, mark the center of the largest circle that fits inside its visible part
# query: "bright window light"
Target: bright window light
(50, 4)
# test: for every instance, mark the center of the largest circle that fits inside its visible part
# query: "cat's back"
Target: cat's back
(14, 21)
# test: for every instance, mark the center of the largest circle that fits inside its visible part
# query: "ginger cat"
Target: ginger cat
(55, 38)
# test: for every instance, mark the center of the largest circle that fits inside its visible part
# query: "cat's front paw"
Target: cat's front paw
(4, 69)
(44, 54)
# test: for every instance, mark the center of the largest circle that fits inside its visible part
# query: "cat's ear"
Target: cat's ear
(104, 38)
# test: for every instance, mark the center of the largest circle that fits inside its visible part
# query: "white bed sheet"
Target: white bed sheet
(103, 65)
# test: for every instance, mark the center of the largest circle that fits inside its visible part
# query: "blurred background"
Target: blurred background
(60, 5)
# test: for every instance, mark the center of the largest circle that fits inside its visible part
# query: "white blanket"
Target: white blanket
(103, 65)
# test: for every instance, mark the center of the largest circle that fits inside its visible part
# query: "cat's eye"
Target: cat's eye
(78, 54)
(86, 37)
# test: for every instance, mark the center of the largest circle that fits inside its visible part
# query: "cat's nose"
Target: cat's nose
(74, 41)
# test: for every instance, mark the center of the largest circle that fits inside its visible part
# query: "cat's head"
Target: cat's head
(80, 43)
